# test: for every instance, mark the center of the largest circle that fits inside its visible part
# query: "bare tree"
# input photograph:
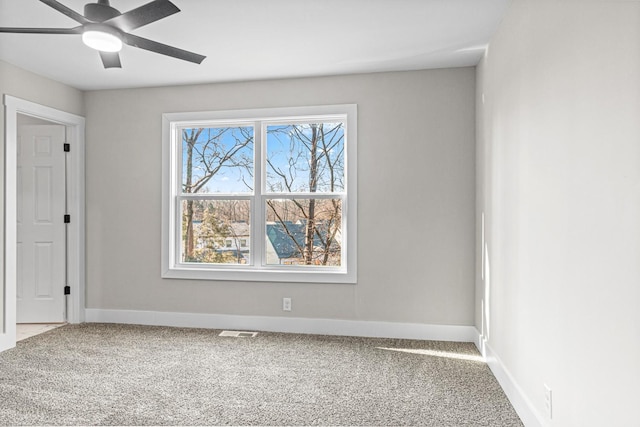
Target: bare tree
(206, 154)
(315, 157)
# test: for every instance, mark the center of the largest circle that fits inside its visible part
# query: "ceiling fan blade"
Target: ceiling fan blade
(143, 15)
(64, 9)
(163, 49)
(110, 59)
(76, 30)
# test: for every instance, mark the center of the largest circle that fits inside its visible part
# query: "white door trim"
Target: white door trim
(76, 251)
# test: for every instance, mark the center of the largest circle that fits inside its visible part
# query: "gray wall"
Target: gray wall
(559, 184)
(416, 199)
(31, 87)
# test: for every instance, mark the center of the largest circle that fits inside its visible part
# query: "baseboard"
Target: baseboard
(519, 400)
(287, 324)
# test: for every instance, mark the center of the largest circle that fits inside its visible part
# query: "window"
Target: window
(266, 195)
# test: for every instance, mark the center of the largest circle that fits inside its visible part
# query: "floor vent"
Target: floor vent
(238, 334)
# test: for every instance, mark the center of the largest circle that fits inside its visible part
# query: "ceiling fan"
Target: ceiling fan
(105, 29)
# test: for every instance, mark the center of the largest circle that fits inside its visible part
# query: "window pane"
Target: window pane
(305, 158)
(304, 232)
(217, 160)
(212, 231)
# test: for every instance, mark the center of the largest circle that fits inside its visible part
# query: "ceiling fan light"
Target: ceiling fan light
(104, 41)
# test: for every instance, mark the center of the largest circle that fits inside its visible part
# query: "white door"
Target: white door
(41, 229)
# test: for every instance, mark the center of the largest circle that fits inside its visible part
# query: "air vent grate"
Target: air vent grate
(238, 334)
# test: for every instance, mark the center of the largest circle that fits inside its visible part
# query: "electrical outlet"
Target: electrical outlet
(548, 402)
(286, 304)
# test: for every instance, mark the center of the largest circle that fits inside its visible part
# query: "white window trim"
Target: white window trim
(171, 269)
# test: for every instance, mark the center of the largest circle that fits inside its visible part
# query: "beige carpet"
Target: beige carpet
(99, 374)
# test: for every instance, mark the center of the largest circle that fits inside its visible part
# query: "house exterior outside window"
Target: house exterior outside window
(265, 195)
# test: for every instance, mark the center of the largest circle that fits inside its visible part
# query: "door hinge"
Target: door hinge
(67, 290)
(67, 218)
(67, 147)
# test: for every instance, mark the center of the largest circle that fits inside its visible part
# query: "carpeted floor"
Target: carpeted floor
(103, 374)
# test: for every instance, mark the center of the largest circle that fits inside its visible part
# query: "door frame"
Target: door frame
(75, 129)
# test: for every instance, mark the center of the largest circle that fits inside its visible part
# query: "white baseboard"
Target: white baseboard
(519, 400)
(287, 324)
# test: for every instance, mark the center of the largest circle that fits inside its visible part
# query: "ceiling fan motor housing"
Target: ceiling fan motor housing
(100, 12)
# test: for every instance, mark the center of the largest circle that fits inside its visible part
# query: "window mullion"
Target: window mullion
(324, 195)
(258, 224)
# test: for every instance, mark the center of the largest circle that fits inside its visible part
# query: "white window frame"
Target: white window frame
(257, 270)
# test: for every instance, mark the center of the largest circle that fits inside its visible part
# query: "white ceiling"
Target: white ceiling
(259, 39)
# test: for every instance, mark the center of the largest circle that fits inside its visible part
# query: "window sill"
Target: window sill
(260, 275)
